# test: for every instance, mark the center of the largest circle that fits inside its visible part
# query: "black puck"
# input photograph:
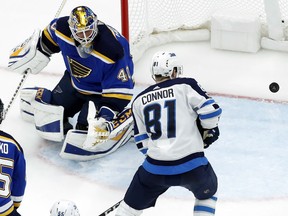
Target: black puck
(274, 87)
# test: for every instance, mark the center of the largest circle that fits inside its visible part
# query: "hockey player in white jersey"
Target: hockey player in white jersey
(174, 120)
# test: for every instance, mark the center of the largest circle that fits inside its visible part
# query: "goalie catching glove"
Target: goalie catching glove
(26, 56)
(210, 136)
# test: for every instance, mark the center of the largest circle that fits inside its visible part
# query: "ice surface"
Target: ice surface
(250, 157)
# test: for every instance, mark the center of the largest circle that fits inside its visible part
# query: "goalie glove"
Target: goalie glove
(26, 56)
(210, 136)
(100, 129)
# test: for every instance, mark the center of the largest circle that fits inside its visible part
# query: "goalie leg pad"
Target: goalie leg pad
(73, 146)
(49, 121)
(27, 96)
(82, 146)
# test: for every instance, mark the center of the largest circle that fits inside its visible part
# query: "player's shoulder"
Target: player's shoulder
(107, 42)
(185, 81)
(189, 82)
(180, 81)
(61, 25)
(145, 91)
(192, 84)
(6, 138)
(5, 135)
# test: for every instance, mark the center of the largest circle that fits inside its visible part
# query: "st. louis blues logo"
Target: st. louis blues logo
(78, 70)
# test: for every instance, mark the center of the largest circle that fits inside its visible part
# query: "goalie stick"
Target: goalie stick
(112, 208)
(25, 73)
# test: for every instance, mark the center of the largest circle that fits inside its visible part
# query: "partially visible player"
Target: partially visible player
(12, 172)
(64, 208)
(166, 131)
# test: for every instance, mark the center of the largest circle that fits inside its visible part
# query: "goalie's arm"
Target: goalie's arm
(48, 41)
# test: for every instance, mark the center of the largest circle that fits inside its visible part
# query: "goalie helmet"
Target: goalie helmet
(1, 111)
(163, 64)
(83, 25)
(64, 208)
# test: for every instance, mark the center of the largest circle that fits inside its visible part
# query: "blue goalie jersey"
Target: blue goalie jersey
(108, 70)
(12, 175)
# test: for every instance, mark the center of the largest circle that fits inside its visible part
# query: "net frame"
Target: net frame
(149, 23)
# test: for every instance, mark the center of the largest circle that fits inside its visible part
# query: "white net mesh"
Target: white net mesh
(148, 17)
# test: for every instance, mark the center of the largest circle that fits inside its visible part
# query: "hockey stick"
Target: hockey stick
(60, 8)
(25, 74)
(112, 208)
(16, 92)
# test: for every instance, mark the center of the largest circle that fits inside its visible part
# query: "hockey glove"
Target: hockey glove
(210, 136)
(100, 129)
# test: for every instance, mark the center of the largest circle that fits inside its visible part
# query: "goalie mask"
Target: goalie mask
(83, 25)
(1, 111)
(163, 64)
(64, 208)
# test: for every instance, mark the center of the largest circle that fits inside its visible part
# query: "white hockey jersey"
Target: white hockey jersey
(165, 125)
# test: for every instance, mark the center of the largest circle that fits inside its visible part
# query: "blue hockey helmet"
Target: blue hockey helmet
(83, 25)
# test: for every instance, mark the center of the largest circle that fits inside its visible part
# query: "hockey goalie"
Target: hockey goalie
(99, 71)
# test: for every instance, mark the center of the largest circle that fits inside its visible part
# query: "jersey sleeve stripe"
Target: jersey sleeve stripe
(208, 102)
(47, 35)
(140, 138)
(210, 115)
(7, 208)
(119, 96)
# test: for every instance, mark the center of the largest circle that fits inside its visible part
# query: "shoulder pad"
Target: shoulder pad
(107, 44)
(63, 26)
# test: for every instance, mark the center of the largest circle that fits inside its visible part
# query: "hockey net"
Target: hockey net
(175, 20)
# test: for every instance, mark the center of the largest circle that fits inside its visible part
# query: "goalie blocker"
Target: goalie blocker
(78, 144)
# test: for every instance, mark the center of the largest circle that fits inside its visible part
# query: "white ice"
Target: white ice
(250, 157)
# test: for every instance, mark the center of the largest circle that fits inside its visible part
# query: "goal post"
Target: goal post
(148, 23)
(125, 18)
